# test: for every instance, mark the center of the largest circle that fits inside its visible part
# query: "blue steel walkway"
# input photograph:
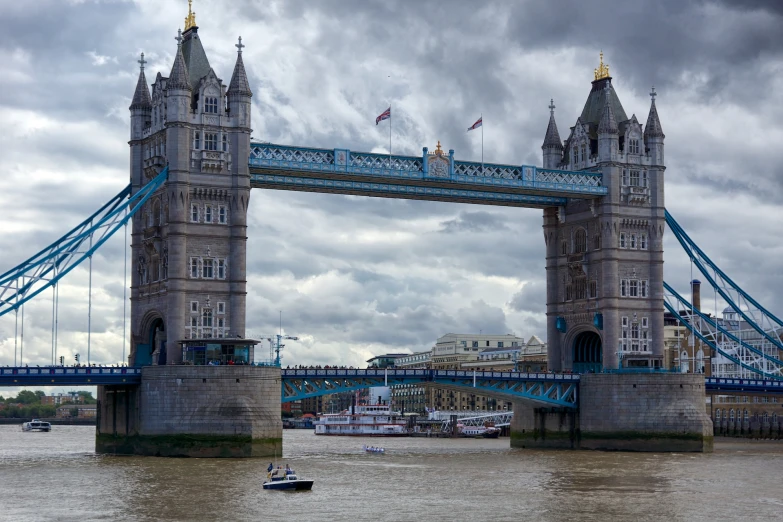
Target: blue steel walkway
(68, 376)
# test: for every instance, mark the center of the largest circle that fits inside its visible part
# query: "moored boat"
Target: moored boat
(36, 425)
(487, 432)
(375, 420)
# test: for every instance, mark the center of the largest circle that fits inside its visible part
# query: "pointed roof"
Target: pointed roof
(194, 56)
(608, 124)
(552, 138)
(141, 98)
(596, 101)
(239, 83)
(653, 128)
(178, 79)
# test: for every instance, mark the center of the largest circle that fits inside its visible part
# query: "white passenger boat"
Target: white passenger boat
(376, 420)
(36, 425)
(487, 432)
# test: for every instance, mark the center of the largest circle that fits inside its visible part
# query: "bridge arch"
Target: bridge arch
(152, 339)
(587, 352)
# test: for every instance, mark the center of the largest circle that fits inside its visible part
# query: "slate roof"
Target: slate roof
(552, 139)
(194, 56)
(239, 83)
(141, 98)
(653, 128)
(594, 106)
(178, 79)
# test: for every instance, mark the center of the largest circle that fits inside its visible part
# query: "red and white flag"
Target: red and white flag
(475, 125)
(385, 115)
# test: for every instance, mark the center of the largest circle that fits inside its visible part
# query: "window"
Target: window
(475, 344)
(597, 242)
(644, 178)
(563, 248)
(210, 105)
(635, 331)
(194, 306)
(576, 154)
(221, 265)
(622, 240)
(593, 289)
(222, 215)
(644, 322)
(206, 319)
(208, 266)
(633, 288)
(197, 140)
(225, 143)
(584, 153)
(625, 177)
(581, 288)
(208, 214)
(633, 240)
(643, 288)
(643, 241)
(623, 288)
(633, 146)
(194, 267)
(210, 141)
(569, 293)
(193, 322)
(221, 309)
(580, 241)
(194, 213)
(500, 344)
(625, 322)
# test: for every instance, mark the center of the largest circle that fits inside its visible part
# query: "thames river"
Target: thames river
(57, 476)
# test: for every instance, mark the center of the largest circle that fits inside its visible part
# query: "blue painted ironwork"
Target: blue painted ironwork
(69, 376)
(750, 385)
(674, 303)
(402, 191)
(757, 317)
(28, 279)
(266, 157)
(546, 388)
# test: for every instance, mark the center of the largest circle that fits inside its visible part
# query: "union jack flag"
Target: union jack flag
(475, 125)
(385, 115)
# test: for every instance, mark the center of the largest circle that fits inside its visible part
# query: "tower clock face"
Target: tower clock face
(439, 169)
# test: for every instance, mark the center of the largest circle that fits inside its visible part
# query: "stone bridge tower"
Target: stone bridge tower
(604, 257)
(189, 241)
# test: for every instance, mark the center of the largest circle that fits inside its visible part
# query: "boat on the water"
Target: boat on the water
(286, 479)
(373, 449)
(36, 425)
(375, 420)
(486, 432)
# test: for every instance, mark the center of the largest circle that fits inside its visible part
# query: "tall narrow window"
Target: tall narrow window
(221, 308)
(580, 241)
(597, 242)
(584, 152)
(625, 177)
(194, 213)
(222, 215)
(634, 178)
(633, 240)
(221, 265)
(194, 267)
(208, 269)
(208, 214)
(643, 288)
(633, 288)
(210, 141)
(635, 331)
(563, 248)
(643, 241)
(644, 178)
(622, 240)
(593, 289)
(197, 141)
(623, 287)
(225, 143)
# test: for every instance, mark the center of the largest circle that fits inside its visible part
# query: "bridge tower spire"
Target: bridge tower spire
(552, 147)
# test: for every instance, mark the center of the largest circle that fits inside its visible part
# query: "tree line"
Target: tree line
(27, 404)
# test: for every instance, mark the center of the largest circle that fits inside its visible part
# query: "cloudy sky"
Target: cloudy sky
(357, 277)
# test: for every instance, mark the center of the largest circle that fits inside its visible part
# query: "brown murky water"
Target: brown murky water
(56, 476)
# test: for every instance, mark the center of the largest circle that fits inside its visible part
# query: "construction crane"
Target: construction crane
(276, 345)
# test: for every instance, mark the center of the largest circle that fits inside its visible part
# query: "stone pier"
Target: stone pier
(630, 412)
(193, 411)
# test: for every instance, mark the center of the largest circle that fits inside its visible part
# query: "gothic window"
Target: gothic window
(633, 240)
(580, 241)
(208, 272)
(569, 293)
(563, 248)
(221, 309)
(622, 239)
(593, 289)
(221, 326)
(625, 177)
(197, 140)
(635, 331)
(634, 178)
(155, 263)
(643, 288)
(623, 287)
(576, 155)
(633, 146)
(210, 141)
(584, 152)
(597, 242)
(194, 267)
(633, 288)
(643, 241)
(625, 322)
(581, 288)
(225, 143)
(644, 178)
(222, 215)
(206, 323)
(208, 214)
(194, 306)
(221, 269)
(194, 213)
(210, 105)
(644, 322)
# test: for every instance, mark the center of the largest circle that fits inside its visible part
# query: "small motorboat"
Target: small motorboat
(36, 425)
(373, 449)
(286, 479)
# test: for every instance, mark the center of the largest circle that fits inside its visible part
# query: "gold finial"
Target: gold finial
(438, 150)
(190, 20)
(603, 69)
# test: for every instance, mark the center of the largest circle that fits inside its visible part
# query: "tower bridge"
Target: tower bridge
(192, 167)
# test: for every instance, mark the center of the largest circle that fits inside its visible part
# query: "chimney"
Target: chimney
(696, 294)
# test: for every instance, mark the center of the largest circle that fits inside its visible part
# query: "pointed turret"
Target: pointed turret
(141, 98)
(239, 84)
(553, 145)
(178, 79)
(653, 134)
(608, 124)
